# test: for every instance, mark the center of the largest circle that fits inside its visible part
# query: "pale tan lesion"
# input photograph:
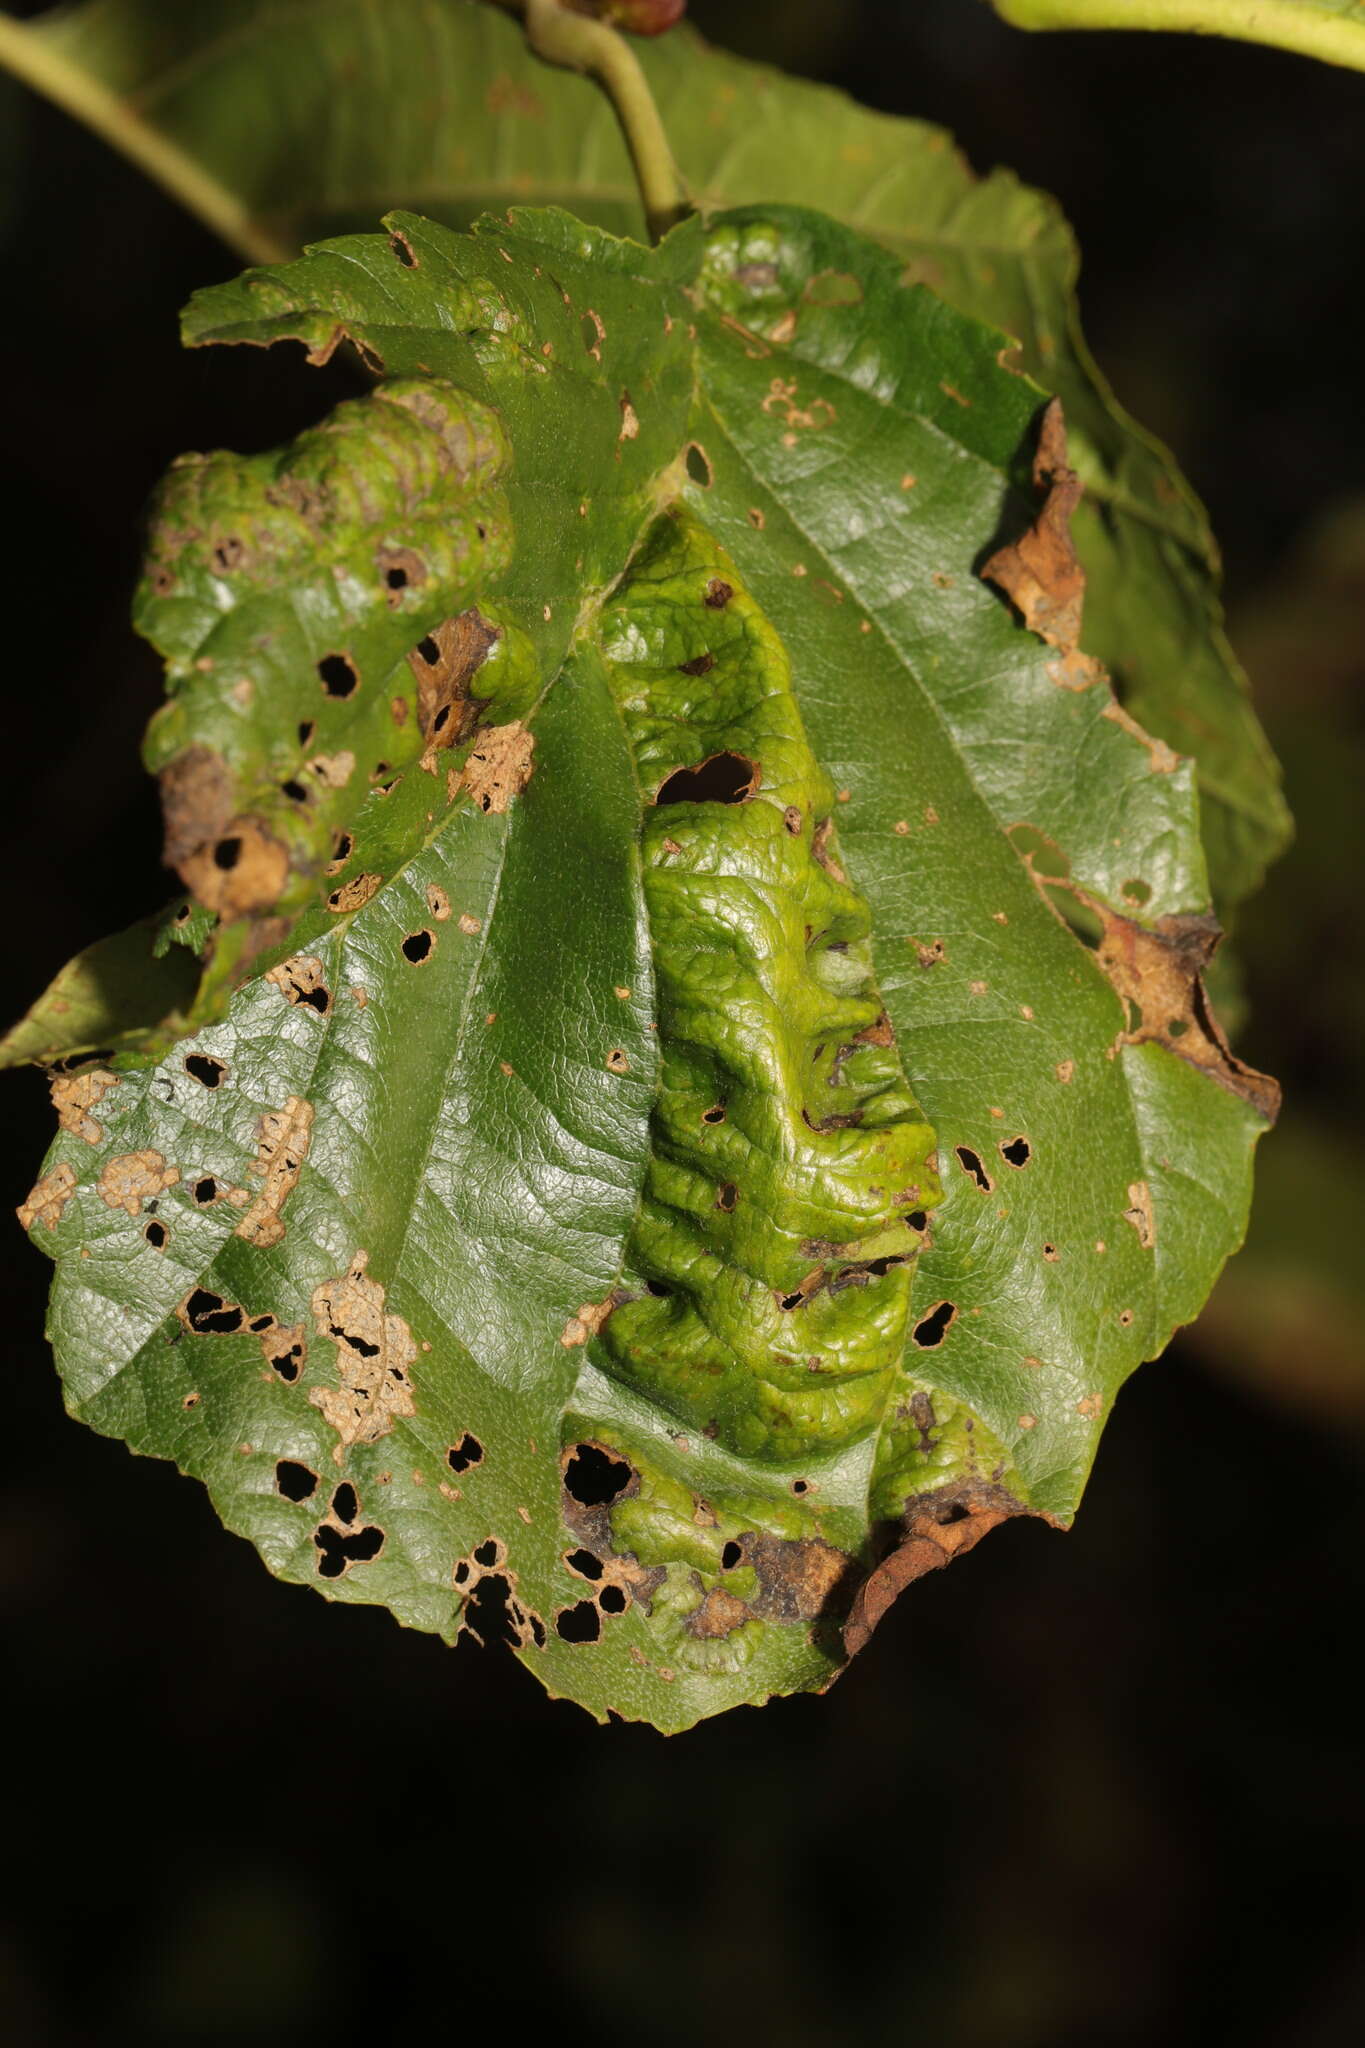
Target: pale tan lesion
(283, 1138)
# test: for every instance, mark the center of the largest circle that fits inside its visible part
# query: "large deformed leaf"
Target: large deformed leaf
(307, 121)
(658, 1165)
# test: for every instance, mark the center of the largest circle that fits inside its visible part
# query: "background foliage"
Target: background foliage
(1127, 1750)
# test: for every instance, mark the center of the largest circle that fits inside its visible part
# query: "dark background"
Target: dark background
(1104, 1788)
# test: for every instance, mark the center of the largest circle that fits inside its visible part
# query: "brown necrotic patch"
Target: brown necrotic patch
(498, 766)
(197, 799)
(243, 870)
(134, 1178)
(282, 1140)
(354, 895)
(718, 1615)
(444, 664)
(374, 1356)
(73, 1098)
(285, 1351)
(400, 570)
(724, 778)
(936, 1528)
(227, 554)
(46, 1201)
(300, 981)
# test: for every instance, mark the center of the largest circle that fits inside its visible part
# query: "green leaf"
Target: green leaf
(1333, 30)
(672, 1169)
(127, 991)
(493, 126)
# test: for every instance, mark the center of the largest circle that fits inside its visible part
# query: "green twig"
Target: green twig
(581, 44)
(1287, 24)
(40, 64)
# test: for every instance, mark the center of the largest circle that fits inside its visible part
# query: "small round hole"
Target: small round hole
(295, 1481)
(338, 675)
(579, 1624)
(466, 1453)
(594, 1477)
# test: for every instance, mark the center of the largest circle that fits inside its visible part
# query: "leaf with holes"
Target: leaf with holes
(701, 1088)
(494, 126)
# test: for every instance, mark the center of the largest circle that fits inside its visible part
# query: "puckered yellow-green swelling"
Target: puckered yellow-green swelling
(785, 1199)
(792, 1175)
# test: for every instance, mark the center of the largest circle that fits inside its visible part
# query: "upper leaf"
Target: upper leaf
(1333, 30)
(307, 122)
(657, 1147)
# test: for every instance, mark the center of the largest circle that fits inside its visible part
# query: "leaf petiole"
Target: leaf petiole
(47, 69)
(581, 44)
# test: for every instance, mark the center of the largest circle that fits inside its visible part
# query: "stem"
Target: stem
(581, 44)
(27, 53)
(1287, 24)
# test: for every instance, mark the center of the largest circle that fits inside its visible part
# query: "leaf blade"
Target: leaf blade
(436, 1122)
(742, 133)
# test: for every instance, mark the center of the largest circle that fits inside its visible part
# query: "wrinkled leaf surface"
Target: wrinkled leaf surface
(657, 1165)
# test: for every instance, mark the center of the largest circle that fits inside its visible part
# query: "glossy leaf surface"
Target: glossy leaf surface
(309, 121)
(655, 1169)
